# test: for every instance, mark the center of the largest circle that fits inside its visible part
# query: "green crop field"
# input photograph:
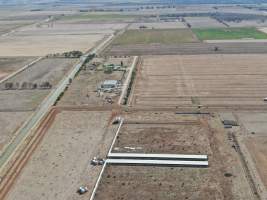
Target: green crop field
(229, 33)
(162, 36)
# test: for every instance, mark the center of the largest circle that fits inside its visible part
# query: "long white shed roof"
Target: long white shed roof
(181, 163)
(158, 156)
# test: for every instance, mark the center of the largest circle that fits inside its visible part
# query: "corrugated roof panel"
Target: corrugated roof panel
(181, 163)
(158, 156)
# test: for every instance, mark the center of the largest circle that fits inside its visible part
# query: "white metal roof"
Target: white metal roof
(159, 162)
(158, 156)
(110, 82)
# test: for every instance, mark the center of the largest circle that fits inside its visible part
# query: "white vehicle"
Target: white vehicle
(82, 190)
(97, 161)
(265, 99)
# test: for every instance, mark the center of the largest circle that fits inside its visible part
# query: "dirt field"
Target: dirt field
(83, 90)
(158, 25)
(10, 122)
(186, 49)
(138, 182)
(163, 36)
(21, 100)
(71, 27)
(255, 139)
(60, 164)
(12, 64)
(209, 80)
(203, 22)
(49, 69)
(40, 45)
(7, 26)
(147, 138)
(258, 149)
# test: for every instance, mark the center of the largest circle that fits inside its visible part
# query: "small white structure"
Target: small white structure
(109, 85)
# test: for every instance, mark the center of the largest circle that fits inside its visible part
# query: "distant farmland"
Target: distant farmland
(229, 33)
(166, 36)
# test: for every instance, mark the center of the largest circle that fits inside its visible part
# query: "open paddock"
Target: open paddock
(160, 36)
(257, 147)
(158, 25)
(196, 48)
(21, 100)
(61, 162)
(254, 122)
(9, 65)
(10, 123)
(203, 22)
(47, 69)
(208, 80)
(41, 45)
(188, 137)
(70, 27)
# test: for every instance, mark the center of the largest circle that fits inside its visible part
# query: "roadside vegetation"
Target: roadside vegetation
(229, 33)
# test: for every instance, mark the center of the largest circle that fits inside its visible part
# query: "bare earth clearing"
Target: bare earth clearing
(60, 164)
(139, 182)
(41, 45)
(9, 123)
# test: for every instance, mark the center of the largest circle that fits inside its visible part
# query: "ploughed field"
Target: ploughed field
(207, 80)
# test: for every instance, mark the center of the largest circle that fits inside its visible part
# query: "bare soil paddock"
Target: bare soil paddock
(41, 45)
(164, 138)
(70, 27)
(9, 123)
(61, 163)
(185, 49)
(209, 80)
(158, 25)
(12, 64)
(48, 69)
(257, 147)
(21, 100)
(139, 182)
(255, 139)
(203, 22)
